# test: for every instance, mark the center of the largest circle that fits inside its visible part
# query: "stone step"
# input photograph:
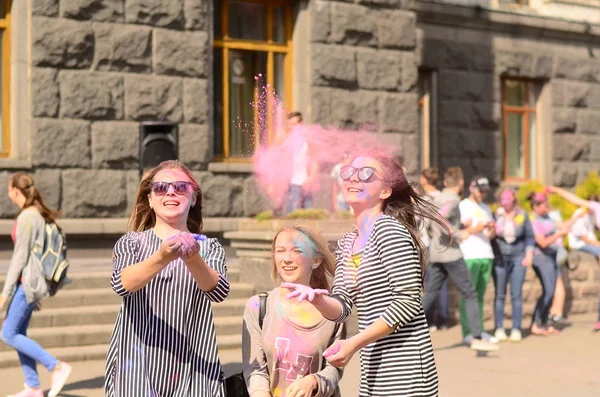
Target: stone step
(106, 296)
(107, 314)
(85, 335)
(9, 358)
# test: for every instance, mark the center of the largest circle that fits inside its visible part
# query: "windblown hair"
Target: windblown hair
(143, 217)
(321, 275)
(407, 206)
(24, 182)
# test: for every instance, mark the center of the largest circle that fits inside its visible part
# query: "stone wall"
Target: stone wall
(472, 50)
(99, 68)
(363, 68)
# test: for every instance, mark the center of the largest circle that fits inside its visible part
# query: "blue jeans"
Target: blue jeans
(591, 249)
(14, 333)
(298, 198)
(442, 305)
(546, 270)
(508, 268)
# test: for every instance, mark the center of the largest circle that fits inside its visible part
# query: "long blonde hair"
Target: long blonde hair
(320, 276)
(143, 217)
(24, 182)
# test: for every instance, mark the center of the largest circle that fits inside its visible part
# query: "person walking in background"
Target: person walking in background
(337, 195)
(25, 286)
(283, 355)
(582, 236)
(446, 258)
(164, 341)
(515, 242)
(477, 249)
(429, 180)
(380, 268)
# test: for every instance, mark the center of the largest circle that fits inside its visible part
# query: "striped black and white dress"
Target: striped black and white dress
(164, 341)
(387, 285)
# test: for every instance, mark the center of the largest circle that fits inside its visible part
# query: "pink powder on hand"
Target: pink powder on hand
(331, 351)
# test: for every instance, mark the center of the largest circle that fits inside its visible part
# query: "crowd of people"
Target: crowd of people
(295, 342)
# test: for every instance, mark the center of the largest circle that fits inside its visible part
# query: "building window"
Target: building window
(5, 77)
(427, 119)
(519, 99)
(252, 38)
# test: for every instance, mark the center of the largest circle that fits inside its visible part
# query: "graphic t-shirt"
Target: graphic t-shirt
(476, 246)
(583, 227)
(546, 226)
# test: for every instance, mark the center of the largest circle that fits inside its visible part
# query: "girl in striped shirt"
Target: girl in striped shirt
(380, 268)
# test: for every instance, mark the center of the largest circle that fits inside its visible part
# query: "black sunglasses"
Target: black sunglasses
(365, 174)
(179, 187)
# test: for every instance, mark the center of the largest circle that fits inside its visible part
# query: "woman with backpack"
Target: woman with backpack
(164, 341)
(25, 286)
(282, 352)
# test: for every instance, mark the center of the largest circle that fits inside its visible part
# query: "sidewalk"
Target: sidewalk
(567, 365)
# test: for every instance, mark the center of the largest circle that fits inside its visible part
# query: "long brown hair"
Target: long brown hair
(406, 205)
(143, 217)
(320, 276)
(24, 182)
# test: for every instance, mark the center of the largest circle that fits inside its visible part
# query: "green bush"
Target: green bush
(565, 208)
(309, 213)
(264, 216)
(343, 215)
(590, 186)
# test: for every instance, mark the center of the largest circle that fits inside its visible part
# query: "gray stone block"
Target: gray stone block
(485, 116)
(254, 198)
(91, 95)
(571, 94)
(333, 66)
(123, 48)
(320, 25)
(353, 24)
(60, 143)
(379, 70)
(518, 64)
(132, 183)
(583, 171)
(48, 8)
(194, 145)
(7, 208)
(578, 69)
(45, 99)
(196, 101)
(153, 98)
(197, 14)
(396, 29)
(466, 86)
(454, 114)
(543, 67)
(181, 53)
(588, 122)
(481, 57)
(399, 113)
(441, 55)
(217, 192)
(115, 144)
(237, 199)
(564, 119)
(357, 107)
(61, 43)
(98, 10)
(320, 105)
(564, 174)
(594, 148)
(80, 197)
(570, 147)
(48, 183)
(410, 72)
(163, 13)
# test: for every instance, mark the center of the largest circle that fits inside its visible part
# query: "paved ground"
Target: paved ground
(567, 365)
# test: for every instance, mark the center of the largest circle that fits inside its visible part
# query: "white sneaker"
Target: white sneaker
(489, 338)
(500, 335)
(484, 345)
(468, 340)
(515, 335)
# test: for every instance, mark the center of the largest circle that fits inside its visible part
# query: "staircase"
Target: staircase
(77, 323)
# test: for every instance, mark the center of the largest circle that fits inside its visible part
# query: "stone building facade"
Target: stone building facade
(85, 73)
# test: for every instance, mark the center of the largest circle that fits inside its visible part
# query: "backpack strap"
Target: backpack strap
(263, 307)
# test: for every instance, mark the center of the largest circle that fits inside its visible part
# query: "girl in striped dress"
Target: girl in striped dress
(380, 268)
(164, 341)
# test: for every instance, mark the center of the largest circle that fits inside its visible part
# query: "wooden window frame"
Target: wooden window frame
(5, 76)
(226, 43)
(526, 111)
(425, 120)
